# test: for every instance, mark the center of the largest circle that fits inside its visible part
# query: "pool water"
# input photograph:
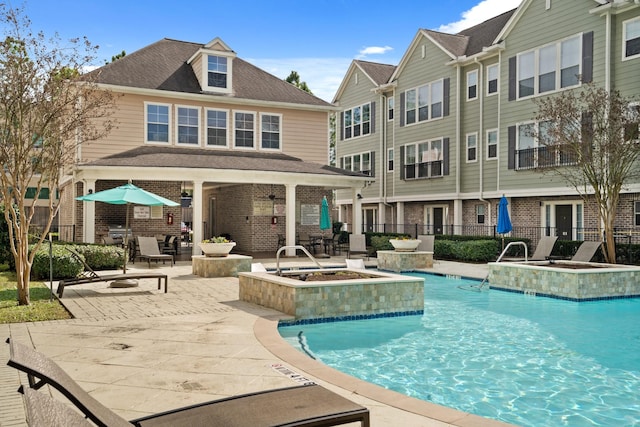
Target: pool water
(519, 359)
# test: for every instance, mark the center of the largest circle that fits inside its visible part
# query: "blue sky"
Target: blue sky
(318, 38)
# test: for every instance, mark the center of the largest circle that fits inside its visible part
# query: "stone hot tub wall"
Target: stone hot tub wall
(543, 278)
(383, 294)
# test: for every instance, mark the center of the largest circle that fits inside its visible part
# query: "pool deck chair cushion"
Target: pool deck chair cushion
(307, 405)
(90, 276)
(357, 245)
(586, 251)
(149, 250)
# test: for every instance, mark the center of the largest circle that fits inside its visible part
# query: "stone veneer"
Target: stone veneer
(385, 293)
(228, 266)
(542, 278)
(404, 261)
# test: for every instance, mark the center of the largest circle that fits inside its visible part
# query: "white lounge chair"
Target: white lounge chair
(357, 245)
(148, 247)
(357, 264)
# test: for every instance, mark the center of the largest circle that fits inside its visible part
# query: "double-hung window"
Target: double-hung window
(472, 147)
(423, 103)
(492, 144)
(217, 71)
(472, 85)
(549, 68)
(480, 214)
(360, 162)
(157, 123)
(536, 147)
(271, 133)
(390, 106)
(423, 160)
(492, 79)
(631, 38)
(244, 129)
(357, 121)
(390, 160)
(188, 128)
(636, 213)
(217, 125)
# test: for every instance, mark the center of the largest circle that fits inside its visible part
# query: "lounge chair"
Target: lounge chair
(148, 247)
(258, 267)
(586, 251)
(90, 276)
(355, 263)
(544, 248)
(43, 410)
(357, 245)
(307, 405)
(426, 242)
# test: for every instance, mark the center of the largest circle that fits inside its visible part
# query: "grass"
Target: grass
(40, 308)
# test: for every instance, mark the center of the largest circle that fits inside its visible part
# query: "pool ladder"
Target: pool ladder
(526, 258)
(302, 248)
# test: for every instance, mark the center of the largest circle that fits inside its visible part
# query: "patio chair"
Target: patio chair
(544, 248)
(310, 405)
(357, 245)
(426, 242)
(88, 275)
(586, 251)
(170, 245)
(148, 247)
(43, 410)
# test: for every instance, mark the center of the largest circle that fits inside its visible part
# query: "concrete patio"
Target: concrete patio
(140, 351)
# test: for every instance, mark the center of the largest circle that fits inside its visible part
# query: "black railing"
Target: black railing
(544, 157)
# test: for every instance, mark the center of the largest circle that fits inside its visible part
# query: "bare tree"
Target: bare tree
(47, 108)
(590, 139)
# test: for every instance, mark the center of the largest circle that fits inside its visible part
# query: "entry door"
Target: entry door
(369, 215)
(438, 220)
(564, 215)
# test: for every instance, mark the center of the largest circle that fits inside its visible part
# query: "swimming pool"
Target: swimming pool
(520, 359)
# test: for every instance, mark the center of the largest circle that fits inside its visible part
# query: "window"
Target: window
(390, 106)
(270, 131)
(551, 67)
(472, 147)
(424, 103)
(472, 85)
(157, 118)
(636, 213)
(480, 209)
(423, 160)
(244, 129)
(492, 144)
(632, 127)
(535, 147)
(492, 79)
(631, 31)
(188, 125)
(357, 121)
(361, 162)
(217, 71)
(216, 128)
(390, 160)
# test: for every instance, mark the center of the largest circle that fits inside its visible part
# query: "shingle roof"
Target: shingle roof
(199, 158)
(163, 66)
(380, 73)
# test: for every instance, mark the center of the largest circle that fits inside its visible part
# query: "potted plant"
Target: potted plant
(218, 246)
(405, 244)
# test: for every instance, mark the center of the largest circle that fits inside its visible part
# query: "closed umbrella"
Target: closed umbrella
(127, 194)
(504, 222)
(325, 218)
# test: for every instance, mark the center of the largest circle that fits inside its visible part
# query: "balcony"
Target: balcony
(544, 157)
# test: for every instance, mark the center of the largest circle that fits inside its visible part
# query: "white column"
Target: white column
(196, 202)
(382, 217)
(356, 214)
(400, 216)
(457, 215)
(290, 222)
(89, 217)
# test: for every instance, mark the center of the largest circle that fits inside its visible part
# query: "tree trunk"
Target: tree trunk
(23, 273)
(609, 247)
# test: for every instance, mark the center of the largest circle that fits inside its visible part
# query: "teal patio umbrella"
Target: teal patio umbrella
(127, 194)
(325, 217)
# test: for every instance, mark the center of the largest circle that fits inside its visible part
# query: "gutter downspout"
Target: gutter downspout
(607, 50)
(481, 136)
(457, 203)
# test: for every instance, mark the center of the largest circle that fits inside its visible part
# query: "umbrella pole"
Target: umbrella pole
(126, 241)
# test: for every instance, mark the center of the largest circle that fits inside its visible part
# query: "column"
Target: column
(400, 216)
(356, 214)
(196, 202)
(89, 216)
(290, 224)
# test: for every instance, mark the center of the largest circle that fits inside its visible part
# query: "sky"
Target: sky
(317, 38)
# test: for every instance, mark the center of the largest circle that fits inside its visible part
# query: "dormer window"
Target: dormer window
(217, 71)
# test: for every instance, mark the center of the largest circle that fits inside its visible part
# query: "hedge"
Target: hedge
(66, 265)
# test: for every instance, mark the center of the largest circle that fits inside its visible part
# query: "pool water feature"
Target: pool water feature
(519, 359)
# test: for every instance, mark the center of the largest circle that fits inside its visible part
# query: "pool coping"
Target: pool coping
(266, 332)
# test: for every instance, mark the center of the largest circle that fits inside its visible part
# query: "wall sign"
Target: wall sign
(141, 212)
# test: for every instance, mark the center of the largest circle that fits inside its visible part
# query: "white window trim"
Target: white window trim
(255, 130)
(417, 109)
(206, 128)
(469, 73)
(636, 212)
(177, 126)
(361, 154)
(393, 101)
(416, 146)
(146, 123)
(476, 147)
(497, 66)
(624, 41)
(497, 144)
(205, 72)
(279, 132)
(536, 67)
(550, 221)
(390, 154)
(361, 106)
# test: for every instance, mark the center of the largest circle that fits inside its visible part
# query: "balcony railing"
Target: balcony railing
(423, 170)
(544, 157)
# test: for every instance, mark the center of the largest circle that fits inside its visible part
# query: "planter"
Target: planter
(405, 245)
(216, 249)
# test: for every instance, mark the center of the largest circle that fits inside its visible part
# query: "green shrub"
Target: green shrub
(65, 265)
(100, 257)
(381, 243)
(470, 251)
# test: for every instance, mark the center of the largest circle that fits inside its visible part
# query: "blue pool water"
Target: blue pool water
(520, 359)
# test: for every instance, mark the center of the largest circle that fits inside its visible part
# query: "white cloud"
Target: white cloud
(373, 50)
(322, 75)
(484, 10)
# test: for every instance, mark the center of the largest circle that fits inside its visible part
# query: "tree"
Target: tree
(47, 108)
(114, 58)
(294, 79)
(590, 139)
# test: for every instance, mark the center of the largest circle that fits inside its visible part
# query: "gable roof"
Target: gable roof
(163, 66)
(376, 72)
